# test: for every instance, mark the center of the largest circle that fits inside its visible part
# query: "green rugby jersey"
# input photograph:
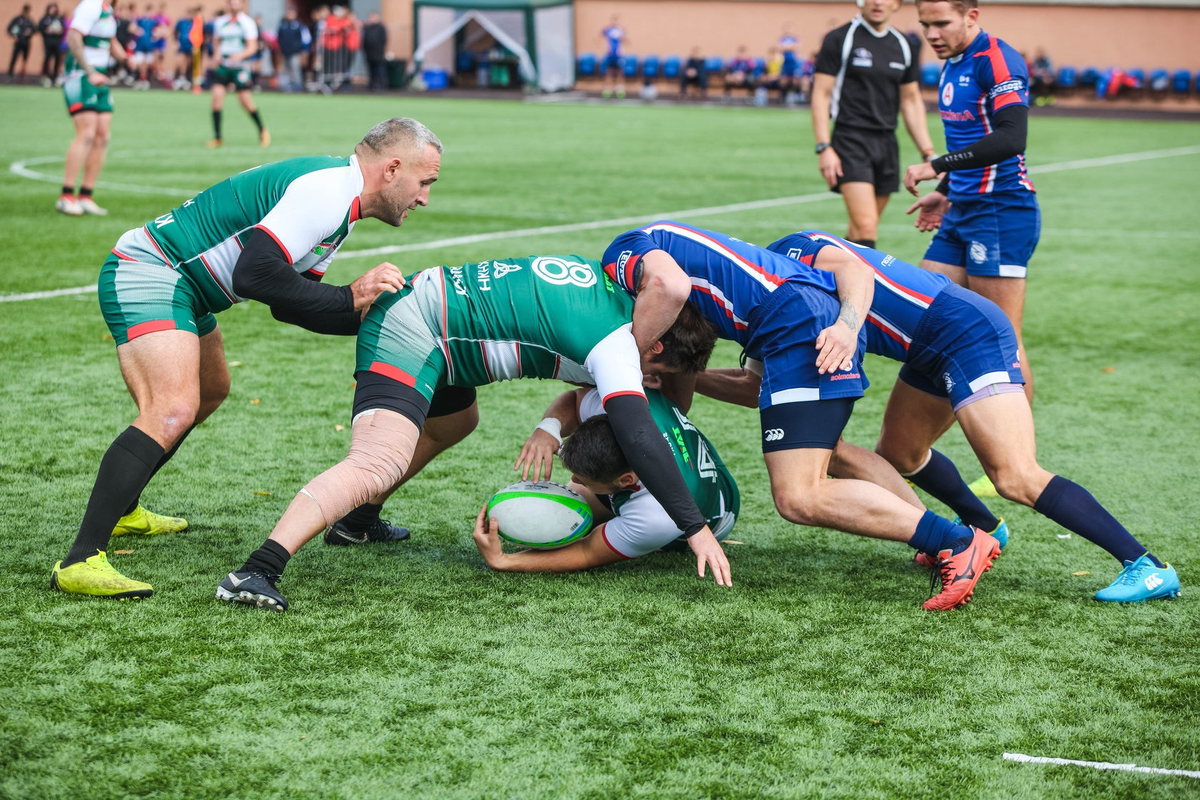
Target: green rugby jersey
(95, 20)
(537, 317)
(307, 205)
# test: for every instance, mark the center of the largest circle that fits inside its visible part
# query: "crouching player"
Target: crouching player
(631, 522)
(960, 356)
(805, 325)
(471, 325)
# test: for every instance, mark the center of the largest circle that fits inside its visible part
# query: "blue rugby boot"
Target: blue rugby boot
(1141, 580)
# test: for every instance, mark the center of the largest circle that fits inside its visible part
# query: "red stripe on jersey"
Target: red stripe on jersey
(557, 365)
(1000, 71)
(629, 265)
(608, 397)
(891, 334)
(74, 107)
(807, 260)
(355, 211)
(154, 326)
(208, 267)
(607, 542)
(156, 247)
(395, 373)
(486, 368)
(611, 271)
(286, 254)
(913, 293)
(771, 278)
(121, 255)
(737, 324)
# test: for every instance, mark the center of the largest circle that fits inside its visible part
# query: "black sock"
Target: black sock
(161, 462)
(123, 473)
(940, 478)
(362, 517)
(85, 191)
(1073, 507)
(257, 120)
(271, 558)
(216, 124)
(864, 242)
(69, 190)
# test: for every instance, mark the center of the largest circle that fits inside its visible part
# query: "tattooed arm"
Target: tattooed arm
(856, 288)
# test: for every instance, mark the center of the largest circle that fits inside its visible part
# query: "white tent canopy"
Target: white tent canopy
(540, 33)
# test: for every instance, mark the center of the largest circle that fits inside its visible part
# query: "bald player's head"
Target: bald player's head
(400, 159)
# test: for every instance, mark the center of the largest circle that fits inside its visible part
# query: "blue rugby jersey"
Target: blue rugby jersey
(902, 292)
(988, 76)
(730, 278)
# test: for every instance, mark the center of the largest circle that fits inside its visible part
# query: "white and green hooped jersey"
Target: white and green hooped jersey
(642, 524)
(95, 20)
(232, 35)
(307, 205)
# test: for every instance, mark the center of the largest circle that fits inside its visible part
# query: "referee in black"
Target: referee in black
(866, 74)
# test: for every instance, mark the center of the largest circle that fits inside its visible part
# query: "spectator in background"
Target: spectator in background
(374, 37)
(740, 73)
(614, 62)
(162, 30)
(316, 61)
(127, 32)
(771, 78)
(295, 41)
(694, 74)
(143, 46)
(21, 29)
(790, 71)
(182, 34)
(53, 27)
(916, 42)
(1041, 77)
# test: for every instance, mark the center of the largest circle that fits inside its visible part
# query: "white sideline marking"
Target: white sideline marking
(20, 168)
(1185, 773)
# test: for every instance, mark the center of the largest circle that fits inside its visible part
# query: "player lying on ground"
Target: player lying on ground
(788, 316)
(630, 522)
(266, 234)
(466, 326)
(960, 363)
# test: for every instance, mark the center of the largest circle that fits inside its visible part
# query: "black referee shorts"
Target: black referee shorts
(867, 157)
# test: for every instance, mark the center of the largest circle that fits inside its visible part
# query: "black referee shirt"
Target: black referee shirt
(868, 69)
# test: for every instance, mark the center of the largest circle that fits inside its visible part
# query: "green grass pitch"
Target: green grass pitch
(410, 670)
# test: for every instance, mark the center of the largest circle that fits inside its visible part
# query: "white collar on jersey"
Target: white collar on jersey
(865, 26)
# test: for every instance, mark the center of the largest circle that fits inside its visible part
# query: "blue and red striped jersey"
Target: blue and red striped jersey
(988, 76)
(902, 292)
(730, 278)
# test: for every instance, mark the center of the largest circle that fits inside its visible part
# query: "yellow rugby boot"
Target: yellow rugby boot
(98, 578)
(147, 523)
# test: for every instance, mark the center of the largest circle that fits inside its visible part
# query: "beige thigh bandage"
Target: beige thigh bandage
(381, 446)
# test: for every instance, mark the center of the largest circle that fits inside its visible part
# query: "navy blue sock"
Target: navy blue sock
(940, 478)
(271, 558)
(935, 534)
(1073, 507)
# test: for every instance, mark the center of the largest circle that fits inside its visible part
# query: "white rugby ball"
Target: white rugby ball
(543, 515)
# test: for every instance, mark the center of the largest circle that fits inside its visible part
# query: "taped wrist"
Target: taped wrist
(381, 446)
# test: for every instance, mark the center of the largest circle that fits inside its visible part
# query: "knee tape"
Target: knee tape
(381, 446)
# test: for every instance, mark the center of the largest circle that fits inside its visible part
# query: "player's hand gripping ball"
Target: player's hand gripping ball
(543, 515)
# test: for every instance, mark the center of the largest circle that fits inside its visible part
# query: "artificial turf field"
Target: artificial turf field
(410, 670)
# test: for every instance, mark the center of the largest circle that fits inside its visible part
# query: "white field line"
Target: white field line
(1185, 773)
(19, 168)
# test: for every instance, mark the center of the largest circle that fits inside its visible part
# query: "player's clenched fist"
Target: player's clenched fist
(384, 278)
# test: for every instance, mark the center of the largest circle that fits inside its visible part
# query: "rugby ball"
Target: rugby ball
(543, 515)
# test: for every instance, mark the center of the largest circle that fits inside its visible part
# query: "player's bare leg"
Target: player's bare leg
(246, 98)
(77, 154)
(804, 495)
(218, 105)
(864, 210)
(851, 461)
(912, 423)
(94, 163)
(214, 375)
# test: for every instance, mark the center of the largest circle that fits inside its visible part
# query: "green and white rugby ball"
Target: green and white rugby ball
(543, 515)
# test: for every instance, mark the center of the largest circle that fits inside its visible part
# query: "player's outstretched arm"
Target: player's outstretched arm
(737, 386)
(663, 290)
(371, 284)
(709, 554)
(931, 208)
(561, 419)
(587, 553)
(828, 161)
(837, 344)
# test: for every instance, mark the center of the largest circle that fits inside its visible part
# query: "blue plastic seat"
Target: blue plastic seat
(1160, 80)
(650, 67)
(713, 65)
(930, 74)
(760, 66)
(630, 66)
(671, 67)
(1067, 78)
(587, 65)
(1181, 81)
(1138, 75)
(1089, 77)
